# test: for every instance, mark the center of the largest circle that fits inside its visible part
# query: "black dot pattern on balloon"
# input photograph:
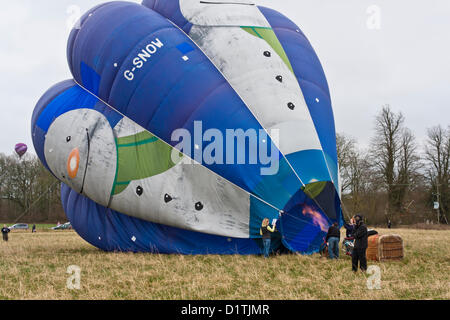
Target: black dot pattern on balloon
(139, 191)
(167, 198)
(279, 78)
(198, 206)
(291, 106)
(68, 138)
(267, 54)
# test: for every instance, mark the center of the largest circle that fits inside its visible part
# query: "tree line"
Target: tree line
(28, 191)
(396, 179)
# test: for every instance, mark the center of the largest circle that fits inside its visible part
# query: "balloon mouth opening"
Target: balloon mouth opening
(73, 163)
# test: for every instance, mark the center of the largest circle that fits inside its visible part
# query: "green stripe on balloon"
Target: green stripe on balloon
(140, 156)
(269, 36)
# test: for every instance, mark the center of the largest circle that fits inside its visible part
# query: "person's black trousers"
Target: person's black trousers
(359, 254)
(5, 237)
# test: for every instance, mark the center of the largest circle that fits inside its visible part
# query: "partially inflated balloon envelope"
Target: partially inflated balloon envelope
(148, 77)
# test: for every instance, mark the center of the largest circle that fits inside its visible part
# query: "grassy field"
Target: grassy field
(34, 266)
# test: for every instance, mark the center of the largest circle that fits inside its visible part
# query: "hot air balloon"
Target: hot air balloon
(146, 138)
(21, 149)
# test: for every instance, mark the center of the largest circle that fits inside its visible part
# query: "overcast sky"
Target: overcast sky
(401, 59)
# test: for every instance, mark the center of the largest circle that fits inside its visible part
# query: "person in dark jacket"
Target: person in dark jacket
(360, 247)
(5, 231)
(333, 238)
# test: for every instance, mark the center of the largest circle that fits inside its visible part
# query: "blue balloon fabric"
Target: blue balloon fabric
(143, 72)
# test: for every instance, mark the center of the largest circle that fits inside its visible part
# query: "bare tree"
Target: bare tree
(345, 151)
(437, 154)
(394, 157)
(356, 176)
(408, 168)
(27, 189)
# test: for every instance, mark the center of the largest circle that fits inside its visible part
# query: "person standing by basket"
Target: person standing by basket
(361, 243)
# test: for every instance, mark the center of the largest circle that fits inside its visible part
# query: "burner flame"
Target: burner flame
(317, 218)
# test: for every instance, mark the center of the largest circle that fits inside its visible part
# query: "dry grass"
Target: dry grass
(33, 266)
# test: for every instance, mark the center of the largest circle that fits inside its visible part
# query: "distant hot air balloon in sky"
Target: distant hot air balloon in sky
(143, 74)
(21, 149)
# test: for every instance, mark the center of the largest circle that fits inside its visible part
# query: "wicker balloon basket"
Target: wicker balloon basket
(385, 248)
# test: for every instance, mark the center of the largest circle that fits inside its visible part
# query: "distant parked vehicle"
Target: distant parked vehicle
(19, 226)
(63, 226)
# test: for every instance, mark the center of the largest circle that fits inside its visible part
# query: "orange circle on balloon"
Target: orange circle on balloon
(73, 163)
